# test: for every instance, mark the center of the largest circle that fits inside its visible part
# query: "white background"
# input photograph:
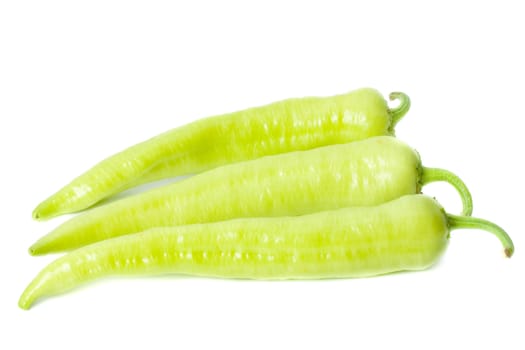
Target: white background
(82, 80)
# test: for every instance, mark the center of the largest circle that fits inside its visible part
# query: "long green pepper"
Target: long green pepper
(280, 127)
(367, 172)
(409, 233)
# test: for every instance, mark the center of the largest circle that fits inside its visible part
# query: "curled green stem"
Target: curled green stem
(435, 174)
(458, 222)
(398, 112)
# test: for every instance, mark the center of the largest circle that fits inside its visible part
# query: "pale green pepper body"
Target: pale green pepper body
(407, 234)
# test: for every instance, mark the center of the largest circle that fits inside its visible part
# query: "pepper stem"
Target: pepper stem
(402, 109)
(435, 174)
(456, 222)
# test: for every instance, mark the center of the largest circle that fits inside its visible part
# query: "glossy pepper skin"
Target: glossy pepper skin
(409, 233)
(367, 172)
(280, 127)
